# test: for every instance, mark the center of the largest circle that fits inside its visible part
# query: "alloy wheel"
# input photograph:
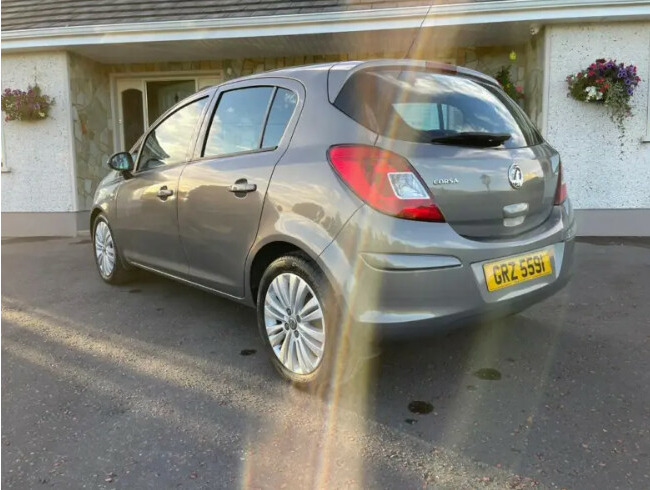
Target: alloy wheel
(104, 249)
(294, 323)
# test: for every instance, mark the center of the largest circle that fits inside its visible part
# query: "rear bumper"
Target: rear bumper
(405, 278)
(461, 305)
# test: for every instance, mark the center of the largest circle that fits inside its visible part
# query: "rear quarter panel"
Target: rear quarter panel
(306, 204)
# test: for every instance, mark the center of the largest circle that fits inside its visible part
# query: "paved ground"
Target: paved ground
(145, 386)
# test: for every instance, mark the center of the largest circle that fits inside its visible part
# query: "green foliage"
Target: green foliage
(515, 92)
(618, 103)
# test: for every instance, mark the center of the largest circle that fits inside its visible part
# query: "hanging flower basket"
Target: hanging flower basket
(606, 82)
(32, 105)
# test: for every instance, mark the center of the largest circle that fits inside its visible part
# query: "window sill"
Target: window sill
(5, 170)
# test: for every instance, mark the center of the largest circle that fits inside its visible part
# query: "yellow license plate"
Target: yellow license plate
(515, 270)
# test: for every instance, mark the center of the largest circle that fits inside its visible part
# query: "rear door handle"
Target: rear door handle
(163, 193)
(242, 185)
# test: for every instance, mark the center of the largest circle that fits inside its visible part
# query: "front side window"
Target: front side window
(169, 142)
(238, 122)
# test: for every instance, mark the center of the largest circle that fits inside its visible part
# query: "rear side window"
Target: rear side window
(238, 122)
(249, 119)
(419, 106)
(282, 109)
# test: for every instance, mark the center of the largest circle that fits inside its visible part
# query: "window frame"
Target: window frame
(290, 84)
(204, 94)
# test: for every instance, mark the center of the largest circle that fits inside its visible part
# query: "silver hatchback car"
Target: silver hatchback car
(340, 200)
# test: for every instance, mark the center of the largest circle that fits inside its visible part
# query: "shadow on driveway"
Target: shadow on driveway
(144, 386)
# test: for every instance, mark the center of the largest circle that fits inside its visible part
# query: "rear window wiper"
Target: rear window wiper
(469, 138)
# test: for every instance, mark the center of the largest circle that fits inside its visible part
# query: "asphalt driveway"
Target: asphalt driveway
(158, 385)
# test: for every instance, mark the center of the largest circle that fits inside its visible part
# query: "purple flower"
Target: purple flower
(630, 90)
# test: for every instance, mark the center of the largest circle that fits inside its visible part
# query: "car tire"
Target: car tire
(109, 261)
(282, 329)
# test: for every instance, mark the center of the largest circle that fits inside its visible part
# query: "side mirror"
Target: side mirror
(121, 161)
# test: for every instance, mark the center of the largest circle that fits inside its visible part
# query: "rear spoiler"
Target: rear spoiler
(339, 73)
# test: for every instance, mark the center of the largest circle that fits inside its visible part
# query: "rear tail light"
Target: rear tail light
(560, 192)
(384, 180)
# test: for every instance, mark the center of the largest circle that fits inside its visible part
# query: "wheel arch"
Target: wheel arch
(262, 256)
(265, 254)
(93, 216)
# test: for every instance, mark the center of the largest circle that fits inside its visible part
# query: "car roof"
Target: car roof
(340, 71)
(298, 72)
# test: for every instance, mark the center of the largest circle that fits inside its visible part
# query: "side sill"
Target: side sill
(187, 281)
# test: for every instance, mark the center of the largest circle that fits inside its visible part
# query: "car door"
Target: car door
(221, 193)
(147, 214)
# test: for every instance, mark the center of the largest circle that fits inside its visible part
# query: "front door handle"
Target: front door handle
(242, 185)
(163, 193)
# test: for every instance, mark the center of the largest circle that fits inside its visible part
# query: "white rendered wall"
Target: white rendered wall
(601, 170)
(39, 153)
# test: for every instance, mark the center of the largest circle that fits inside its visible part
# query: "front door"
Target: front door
(221, 194)
(147, 215)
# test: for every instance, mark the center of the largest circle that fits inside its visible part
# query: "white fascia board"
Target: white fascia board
(328, 22)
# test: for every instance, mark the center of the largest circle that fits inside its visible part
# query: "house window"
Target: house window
(132, 116)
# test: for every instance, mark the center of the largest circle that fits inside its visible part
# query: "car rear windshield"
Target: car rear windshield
(434, 107)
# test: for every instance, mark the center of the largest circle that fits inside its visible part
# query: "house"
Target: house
(114, 66)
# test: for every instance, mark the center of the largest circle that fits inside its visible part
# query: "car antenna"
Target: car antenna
(417, 34)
